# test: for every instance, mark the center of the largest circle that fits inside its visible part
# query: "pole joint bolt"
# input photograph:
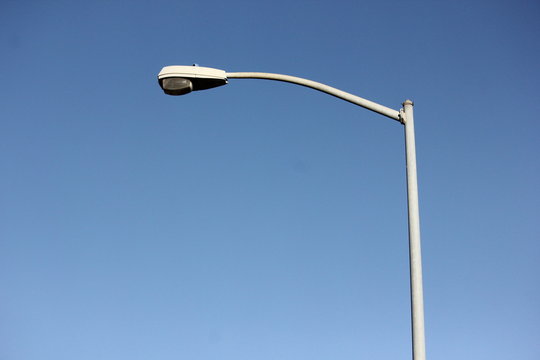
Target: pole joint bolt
(402, 119)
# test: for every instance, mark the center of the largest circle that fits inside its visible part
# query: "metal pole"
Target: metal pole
(370, 105)
(415, 253)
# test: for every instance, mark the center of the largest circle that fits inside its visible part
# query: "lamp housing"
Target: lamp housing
(180, 80)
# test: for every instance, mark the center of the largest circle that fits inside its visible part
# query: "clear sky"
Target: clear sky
(263, 220)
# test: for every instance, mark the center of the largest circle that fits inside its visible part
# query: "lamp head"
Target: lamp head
(180, 80)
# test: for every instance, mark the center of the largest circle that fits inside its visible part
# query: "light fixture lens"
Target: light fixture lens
(176, 86)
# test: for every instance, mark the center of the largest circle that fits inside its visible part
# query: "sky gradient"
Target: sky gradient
(263, 220)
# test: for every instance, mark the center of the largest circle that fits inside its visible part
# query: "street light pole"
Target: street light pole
(180, 80)
(415, 252)
(357, 100)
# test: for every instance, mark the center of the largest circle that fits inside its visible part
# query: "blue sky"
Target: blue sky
(263, 220)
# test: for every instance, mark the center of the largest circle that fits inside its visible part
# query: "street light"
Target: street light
(180, 80)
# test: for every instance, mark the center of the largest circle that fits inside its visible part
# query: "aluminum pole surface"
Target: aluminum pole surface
(415, 253)
(357, 100)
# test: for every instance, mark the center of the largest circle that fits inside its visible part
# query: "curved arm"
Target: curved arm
(370, 105)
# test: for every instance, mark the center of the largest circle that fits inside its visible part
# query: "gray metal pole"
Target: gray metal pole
(415, 253)
(370, 105)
